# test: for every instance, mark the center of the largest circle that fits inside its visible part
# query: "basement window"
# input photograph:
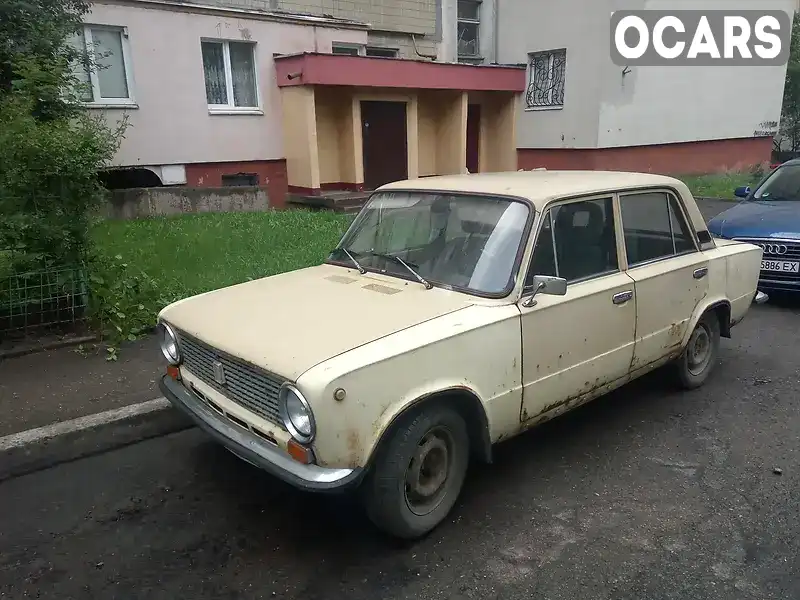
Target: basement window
(240, 179)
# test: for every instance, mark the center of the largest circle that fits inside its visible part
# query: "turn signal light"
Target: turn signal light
(174, 372)
(300, 453)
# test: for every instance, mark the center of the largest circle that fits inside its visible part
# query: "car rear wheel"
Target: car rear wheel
(418, 473)
(698, 359)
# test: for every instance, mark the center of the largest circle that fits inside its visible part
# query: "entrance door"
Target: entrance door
(473, 136)
(383, 131)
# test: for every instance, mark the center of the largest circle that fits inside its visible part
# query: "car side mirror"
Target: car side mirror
(742, 191)
(545, 284)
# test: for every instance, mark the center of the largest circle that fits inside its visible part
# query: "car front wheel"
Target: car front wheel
(418, 473)
(697, 360)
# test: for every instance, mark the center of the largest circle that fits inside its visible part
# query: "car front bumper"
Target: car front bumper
(256, 450)
(773, 285)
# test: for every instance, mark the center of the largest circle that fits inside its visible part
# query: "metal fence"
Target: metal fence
(41, 300)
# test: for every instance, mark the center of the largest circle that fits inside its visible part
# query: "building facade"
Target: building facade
(217, 96)
(306, 96)
(580, 110)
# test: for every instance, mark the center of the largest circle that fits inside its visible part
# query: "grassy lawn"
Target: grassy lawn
(190, 254)
(719, 185)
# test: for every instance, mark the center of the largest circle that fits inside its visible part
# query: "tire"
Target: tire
(403, 510)
(691, 370)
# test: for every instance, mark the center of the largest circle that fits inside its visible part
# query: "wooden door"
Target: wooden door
(385, 144)
(473, 136)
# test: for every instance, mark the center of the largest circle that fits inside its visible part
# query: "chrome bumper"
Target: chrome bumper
(255, 450)
(761, 297)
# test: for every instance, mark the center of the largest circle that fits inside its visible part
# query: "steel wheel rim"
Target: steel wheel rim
(698, 352)
(428, 471)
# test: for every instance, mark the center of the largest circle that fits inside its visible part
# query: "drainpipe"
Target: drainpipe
(496, 31)
(414, 40)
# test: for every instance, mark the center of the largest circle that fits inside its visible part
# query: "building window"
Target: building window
(104, 72)
(230, 73)
(546, 79)
(348, 49)
(240, 179)
(381, 52)
(469, 13)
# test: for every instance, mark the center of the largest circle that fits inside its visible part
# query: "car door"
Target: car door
(576, 343)
(669, 271)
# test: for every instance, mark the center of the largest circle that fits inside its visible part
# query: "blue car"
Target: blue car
(769, 216)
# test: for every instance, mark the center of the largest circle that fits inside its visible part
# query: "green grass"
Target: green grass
(719, 185)
(190, 254)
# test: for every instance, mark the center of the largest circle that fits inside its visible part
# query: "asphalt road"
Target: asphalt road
(647, 493)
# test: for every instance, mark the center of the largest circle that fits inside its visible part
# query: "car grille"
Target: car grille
(792, 253)
(245, 385)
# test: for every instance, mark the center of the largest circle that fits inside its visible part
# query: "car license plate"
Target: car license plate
(781, 266)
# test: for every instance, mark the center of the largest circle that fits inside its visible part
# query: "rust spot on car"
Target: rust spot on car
(674, 336)
(353, 448)
(588, 388)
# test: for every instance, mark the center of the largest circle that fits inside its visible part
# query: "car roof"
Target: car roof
(539, 186)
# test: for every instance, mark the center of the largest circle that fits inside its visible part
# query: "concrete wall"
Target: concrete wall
(582, 28)
(170, 122)
(658, 105)
(148, 202)
(648, 105)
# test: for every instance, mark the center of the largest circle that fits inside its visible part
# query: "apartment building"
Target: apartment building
(295, 102)
(308, 96)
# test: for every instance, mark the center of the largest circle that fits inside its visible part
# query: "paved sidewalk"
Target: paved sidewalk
(58, 385)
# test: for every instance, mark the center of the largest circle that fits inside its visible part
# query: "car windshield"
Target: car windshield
(459, 241)
(783, 185)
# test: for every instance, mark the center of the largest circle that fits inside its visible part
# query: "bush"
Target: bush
(48, 183)
(123, 300)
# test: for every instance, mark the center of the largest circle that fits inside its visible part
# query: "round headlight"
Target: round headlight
(296, 414)
(169, 343)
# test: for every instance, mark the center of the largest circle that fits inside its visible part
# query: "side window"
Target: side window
(654, 227)
(576, 241)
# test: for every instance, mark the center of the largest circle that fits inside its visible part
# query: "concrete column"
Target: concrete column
(451, 144)
(300, 137)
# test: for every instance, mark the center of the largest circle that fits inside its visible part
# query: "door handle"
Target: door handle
(622, 297)
(700, 273)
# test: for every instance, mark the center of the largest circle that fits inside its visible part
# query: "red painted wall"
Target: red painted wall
(687, 158)
(271, 175)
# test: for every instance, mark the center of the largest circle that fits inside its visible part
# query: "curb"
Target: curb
(37, 449)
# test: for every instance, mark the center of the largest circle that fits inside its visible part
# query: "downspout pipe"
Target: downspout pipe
(416, 50)
(496, 33)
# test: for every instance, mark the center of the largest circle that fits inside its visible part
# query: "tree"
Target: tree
(51, 149)
(789, 136)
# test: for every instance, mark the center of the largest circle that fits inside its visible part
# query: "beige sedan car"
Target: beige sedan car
(455, 313)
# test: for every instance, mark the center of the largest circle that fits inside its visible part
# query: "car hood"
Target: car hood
(291, 322)
(759, 220)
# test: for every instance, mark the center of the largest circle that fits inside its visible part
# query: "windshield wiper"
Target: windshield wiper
(361, 269)
(399, 260)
